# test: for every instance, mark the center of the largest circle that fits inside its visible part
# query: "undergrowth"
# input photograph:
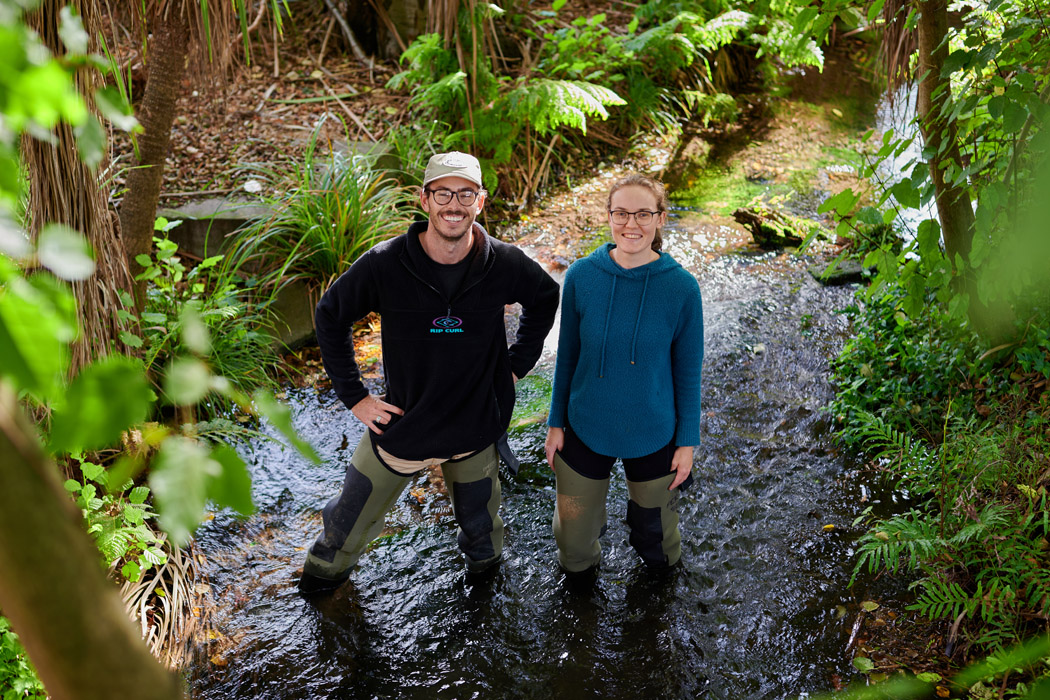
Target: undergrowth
(962, 430)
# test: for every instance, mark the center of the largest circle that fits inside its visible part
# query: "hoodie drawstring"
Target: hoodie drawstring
(638, 321)
(605, 333)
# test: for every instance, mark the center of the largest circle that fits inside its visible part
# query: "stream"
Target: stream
(761, 607)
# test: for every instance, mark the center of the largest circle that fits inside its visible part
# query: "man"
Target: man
(441, 290)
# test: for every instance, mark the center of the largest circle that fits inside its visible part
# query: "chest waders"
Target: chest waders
(355, 517)
(580, 519)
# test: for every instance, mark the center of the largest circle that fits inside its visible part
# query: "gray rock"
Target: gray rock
(845, 272)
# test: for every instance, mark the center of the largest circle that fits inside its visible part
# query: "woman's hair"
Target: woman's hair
(654, 186)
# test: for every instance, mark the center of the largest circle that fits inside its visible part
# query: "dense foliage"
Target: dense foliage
(945, 382)
(669, 62)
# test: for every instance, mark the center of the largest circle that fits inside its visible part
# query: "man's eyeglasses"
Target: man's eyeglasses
(642, 217)
(443, 197)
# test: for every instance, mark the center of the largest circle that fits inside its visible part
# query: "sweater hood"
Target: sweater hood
(665, 263)
(602, 256)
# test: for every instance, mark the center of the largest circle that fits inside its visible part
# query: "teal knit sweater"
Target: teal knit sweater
(631, 343)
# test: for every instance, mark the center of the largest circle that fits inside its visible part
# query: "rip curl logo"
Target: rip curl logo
(447, 324)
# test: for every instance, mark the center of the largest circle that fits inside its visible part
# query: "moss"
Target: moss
(721, 190)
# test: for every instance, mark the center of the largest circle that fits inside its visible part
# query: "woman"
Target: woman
(626, 384)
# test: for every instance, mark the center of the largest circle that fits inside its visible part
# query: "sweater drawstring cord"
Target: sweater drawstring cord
(638, 321)
(605, 333)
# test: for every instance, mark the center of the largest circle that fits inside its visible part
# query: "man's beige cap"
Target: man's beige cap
(453, 164)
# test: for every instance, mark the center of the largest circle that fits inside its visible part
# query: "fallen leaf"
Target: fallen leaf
(869, 606)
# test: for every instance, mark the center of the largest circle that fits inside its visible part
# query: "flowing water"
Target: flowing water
(759, 609)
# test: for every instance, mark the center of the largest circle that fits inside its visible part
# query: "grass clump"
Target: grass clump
(338, 205)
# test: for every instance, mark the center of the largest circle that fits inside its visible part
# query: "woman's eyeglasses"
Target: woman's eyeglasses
(642, 217)
(443, 197)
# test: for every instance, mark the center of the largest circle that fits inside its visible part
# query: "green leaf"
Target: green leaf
(91, 141)
(130, 339)
(187, 381)
(863, 664)
(71, 32)
(162, 224)
(132, 514)
(842, 203)
(1014, 116)
(131, 571)
(906, 194)
(803, 19)
(956, 60)
(281, 418)
(65, 252)
(233, 487)
(111, 105)
(179, 480)
(927, 677)
(93, 472)
(875, 10)
(104, 400)
(869, 606)
(37, 320)
(138, 495)
(194, 330)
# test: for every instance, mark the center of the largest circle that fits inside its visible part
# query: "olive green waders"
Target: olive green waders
(580, 519)
(355, 517)
(652, 514)
(579, 516)
(473, 486)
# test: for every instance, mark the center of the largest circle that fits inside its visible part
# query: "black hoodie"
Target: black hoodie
(446, 360)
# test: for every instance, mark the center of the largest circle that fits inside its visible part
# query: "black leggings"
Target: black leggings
(587, 462)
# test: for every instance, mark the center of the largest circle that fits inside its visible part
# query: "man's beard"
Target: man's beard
(456, 237)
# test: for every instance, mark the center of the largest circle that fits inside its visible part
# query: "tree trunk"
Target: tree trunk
(939, 135)
(166, 63)
(63, 190)
(992, 319)
(52, 586)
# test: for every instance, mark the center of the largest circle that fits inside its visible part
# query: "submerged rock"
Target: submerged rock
(834, 274)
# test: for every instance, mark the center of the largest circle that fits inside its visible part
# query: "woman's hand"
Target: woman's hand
(555, 441)
(374, 412)
(681, 462)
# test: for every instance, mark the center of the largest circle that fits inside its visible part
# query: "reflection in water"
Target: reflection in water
(750, 614)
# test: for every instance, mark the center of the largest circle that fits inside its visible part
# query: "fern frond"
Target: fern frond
(550, 104)
(793, 49)
(944, 600)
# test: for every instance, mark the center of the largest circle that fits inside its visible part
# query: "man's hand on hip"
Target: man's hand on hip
(374, 412)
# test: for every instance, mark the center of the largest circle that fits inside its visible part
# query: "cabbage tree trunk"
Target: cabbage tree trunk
(63, 190)
(167, 52)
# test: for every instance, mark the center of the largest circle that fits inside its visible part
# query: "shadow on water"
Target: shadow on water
(760, 608)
